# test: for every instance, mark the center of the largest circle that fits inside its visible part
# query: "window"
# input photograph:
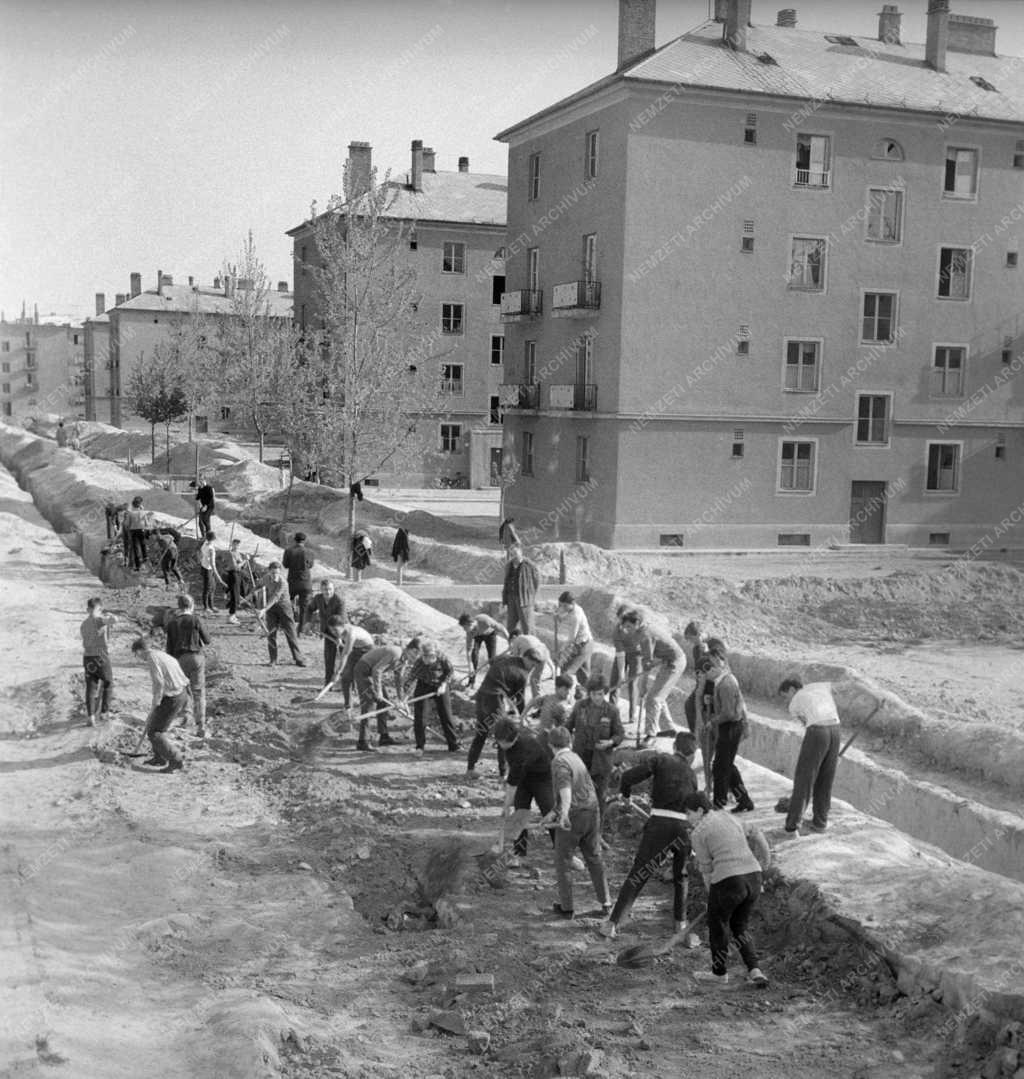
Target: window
(530, 362)
(750, 129)
(948, 371)
(497, 287)
(879, 323)
(590, 257)
(938, 539)
(74, 338)
(497, 349)
(1011, 260)
(451, 433)
(807, 266)
(590, 156)
(747, 239)
(6, 368)
(451, 318)
(1007, 351)
(802, 366)
(533, 183)
(955, 264)
(494, 408)
(672, 539)
(453, 257)
(413, 242)
(533, 268)
(794, 539)
(7, 408)
(743, 341)
(451, 379)
(737, 442)
(943, 467)
(887, 150)
(30, 380)
(813, 153)
(885, 215)
(1018, 155)
(527, 453)
(1000, 447)
(582, 459)
(225, 412)
(873, 419)
(6, 387)
(796, 466)
(961, 179)
(5, 347)
(842, 39)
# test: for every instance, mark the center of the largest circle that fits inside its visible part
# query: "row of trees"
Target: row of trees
(343, 397)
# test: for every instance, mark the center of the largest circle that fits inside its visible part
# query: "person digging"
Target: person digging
(171, 698)
(528, 782)
(503, 688)
(666, 834)
(815, 707)
(370, 671)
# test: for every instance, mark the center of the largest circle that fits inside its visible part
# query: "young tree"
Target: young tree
(380, 371)
(156, 392)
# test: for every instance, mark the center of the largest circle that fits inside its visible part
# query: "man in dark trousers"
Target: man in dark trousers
(277, 610)
(503, 685)
(205, 504)
(666, 834)
(481, 629)
(370, 671)
(432, 673)
(186, 637)
(170, 700)
(529, 781)
(351, 643)
(596, 730)
(99, 678)
(815, 707)
(626, 668)
(324, 606)
(729, 717)
(519, 592)
(298, 562)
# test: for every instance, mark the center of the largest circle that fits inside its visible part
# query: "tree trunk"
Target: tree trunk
(288, 498)
(190, 425)
(167, 446)
(259, 431)
(152, 443)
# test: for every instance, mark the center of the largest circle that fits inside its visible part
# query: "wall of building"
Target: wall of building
(41, 370)
(97, 371)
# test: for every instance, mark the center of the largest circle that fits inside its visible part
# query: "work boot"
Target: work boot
(383, 738)
(155, 762)
(172, 766)
(746, 805)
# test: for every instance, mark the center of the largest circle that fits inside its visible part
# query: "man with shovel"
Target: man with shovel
(529, 781)
(504, 686)
(370, 671)
(170, 700)
(815, 707)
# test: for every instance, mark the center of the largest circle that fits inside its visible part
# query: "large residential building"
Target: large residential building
(116, 339)
(456, 246)
(41, 368)
(765, 289)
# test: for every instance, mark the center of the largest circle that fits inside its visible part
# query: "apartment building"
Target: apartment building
(764, 289)
(456, 247)
(41, 368)
(116, 339)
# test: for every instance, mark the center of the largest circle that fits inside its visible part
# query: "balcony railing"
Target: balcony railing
(576, 296)
(812, 178)
(524, 301)
(578, 397)
(519, 395)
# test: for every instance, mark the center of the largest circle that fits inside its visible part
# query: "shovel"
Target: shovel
(642, 955)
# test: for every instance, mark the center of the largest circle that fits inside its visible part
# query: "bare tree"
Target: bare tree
(156, 392)
(380, 372)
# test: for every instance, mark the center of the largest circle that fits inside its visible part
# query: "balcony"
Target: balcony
(521, 304)
(578, 397)
(812, 178)
(519, 395)
(576, 299)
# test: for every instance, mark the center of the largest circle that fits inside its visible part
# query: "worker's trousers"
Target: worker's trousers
(584, 832)
(661, 839)
(815, 772)
(280, 617)
(730, 904)
(659, 685)
(166, 712)
(193, 664)
(99, 683)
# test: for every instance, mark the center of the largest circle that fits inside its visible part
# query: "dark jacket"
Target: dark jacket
(673, 779)
(185, 633)
(432, 674)
(400, 548)
(326, 608)
(527, 757)
(505, 674)
(360, 551)
(298, 562)
(589, 724)
(521, 584)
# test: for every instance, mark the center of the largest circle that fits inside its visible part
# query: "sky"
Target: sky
(142, 136)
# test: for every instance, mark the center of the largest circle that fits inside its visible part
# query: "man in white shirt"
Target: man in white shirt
(815, 707)
(170, 700)
(572, 630)
(208, 565)
(519, 645)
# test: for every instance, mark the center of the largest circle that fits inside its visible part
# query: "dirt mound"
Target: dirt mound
(245, 482)
(107, 443)
(212, 456)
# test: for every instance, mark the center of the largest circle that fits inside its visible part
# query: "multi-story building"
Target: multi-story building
(765, 289)
(41, 365)
(117, 339)
(457, 223)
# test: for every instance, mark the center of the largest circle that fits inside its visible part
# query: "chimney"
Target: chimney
(416, 173)
(136, 284)
(191, 281)
(360, 168)
(101, 303)
(786, 17)
(282, 286)
(737, 19)
(970, 34)
(229, 285)
(159, 282)
(119, 299)
(216, 283)
(721, 10)
(636, 30)
(463, 164)
(938, 34)
(889, 24)
(429, 158)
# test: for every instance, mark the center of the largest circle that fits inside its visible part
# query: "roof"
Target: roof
(808, 66)
(208, 301)
(465, 198)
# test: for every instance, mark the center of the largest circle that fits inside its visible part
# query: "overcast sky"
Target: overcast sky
(142, 135)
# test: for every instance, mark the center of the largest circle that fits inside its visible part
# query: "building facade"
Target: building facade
(41, 368)
(764, 290)
(457, 223)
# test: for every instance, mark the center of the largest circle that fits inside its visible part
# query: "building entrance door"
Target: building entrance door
(867, 511)
(495, 466)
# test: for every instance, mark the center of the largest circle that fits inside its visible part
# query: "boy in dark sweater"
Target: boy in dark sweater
(529, 780)
(596, 730)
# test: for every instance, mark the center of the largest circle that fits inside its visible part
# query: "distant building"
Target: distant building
(765, 289)
(41, 368)
(457, 250)
(116, 339)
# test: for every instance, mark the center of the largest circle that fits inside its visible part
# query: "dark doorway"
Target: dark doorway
(496, 466)
(867, 511)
